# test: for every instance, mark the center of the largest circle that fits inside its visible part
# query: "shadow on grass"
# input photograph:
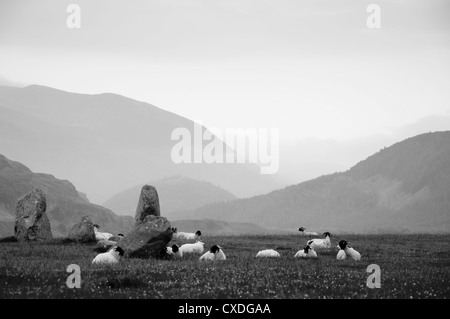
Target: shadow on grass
(10, 239)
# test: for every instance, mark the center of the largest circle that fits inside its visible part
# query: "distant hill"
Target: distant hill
(175, 193)
(105, 143)
(402, 188)
(64, 204)
(217, 227)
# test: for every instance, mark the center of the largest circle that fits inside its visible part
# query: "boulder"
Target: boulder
(148, 204)
(83, 231)
(115, 238)
(32, 222)
(149, 239)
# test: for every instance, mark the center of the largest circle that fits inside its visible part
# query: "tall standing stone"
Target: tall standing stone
(32, 222)
(148, 204)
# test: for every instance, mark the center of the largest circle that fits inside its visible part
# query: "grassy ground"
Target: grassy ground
(412, 266)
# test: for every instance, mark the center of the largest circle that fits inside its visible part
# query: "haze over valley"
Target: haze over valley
(91, 111)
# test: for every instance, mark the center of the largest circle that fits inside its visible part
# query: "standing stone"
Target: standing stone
(83, 231)
(148, 204)
(32, 222)
(148, 239)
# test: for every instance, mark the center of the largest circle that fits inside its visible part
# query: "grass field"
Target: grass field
(412, 266)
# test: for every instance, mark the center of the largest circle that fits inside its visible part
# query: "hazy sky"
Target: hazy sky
(311, 68)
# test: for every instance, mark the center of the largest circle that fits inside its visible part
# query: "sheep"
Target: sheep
(303, 231)
(350, 252)
(267, 253)
(186, 236)
(341, 255)
(175, 252)
(196, 248)
(306, 252)
(111, 257)
(99, 235)
(320, 243)
(215, 253)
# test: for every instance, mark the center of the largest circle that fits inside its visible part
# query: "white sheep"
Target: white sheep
(196, 248)
(306, 252)
(341, 254)
(350, 252)
(215, 253)
(111, 257)
(267, 253)
(319, 243)
(175, 252)
(99, 235)
(186, 236)
(303, 231)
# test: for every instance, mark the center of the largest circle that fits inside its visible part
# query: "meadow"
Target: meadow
(412, 266)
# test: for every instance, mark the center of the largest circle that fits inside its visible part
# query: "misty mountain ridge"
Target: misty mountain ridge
(175, 193)
(105, 143)
(391, 191)
(402, 188)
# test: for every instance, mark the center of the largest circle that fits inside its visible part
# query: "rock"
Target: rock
(148, 204)
(32, 222)
(83, 231)
(104, 245)
(149, 239)
(115, 238)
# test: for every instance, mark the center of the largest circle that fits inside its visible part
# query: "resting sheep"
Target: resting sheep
(306, 252)
(111, 257)
(319, 243)
(186, 236)
(341, 255)
(99, 235)
(175, 252)
(267, 253)
(303, 231)
(350, 252)
(215, 253)
(196, 248)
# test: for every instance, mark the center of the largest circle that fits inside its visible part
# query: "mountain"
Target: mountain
(217, 227)
(105, 143)
(175, 193)
(402, 188)
(64, 204)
